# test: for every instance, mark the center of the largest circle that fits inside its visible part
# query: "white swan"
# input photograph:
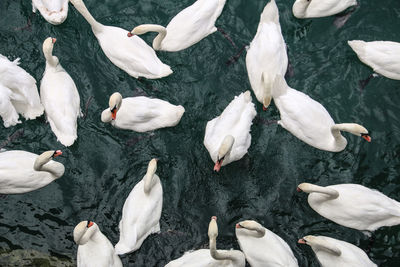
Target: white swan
(210, 257)
(266, 55)
(382, 56)
(54, 11)
(18, 93)
(141, 212)
(188, 27)
(262, 247)
(320, 8)
(132, 55)
(22, 171)
(353, 205)
(94, 249)
(141, 114)
(309, 121)
(60, 97)
(334, 253)
(227, 136)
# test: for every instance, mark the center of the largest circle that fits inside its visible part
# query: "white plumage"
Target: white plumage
(60, 97)
(266, 55)
(332, 252)
(54, 11)
(235, 121)
(132, 55)
(22, 171)
(141, 212)
(309, 121)
(382, 56)
(353, 205)
(18, 93)
(320, 8)
(188, 27)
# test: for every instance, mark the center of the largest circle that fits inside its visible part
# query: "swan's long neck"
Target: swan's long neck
(41, 165)
(149, 181)
(311, 188)
(162, 32)
(316, 245)
(80, 6)
(223, 255)
(335, 129)
(258, 228)
(50, 59)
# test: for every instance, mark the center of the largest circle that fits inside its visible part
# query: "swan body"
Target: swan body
(54, 11)
(320, 8)
(60, 97)
(18, 93)
(309, 121)
(141, 114)
(382, 56)
(22, 171)
(210, 257)
(132, 55)
(262, 247)
(188, 27)
(227, 137)
(141, 212)
(94, 248)
(353, 205)
(266, 55)
(332, 252)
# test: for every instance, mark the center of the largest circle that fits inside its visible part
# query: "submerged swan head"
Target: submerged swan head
(213, 228)
(44, 158)
(114, 103)
(48, 46)
(83, 231)
(300, 7)
(224, 149)
(320, 243)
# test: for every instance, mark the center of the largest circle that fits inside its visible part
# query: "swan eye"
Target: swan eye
(89, 224)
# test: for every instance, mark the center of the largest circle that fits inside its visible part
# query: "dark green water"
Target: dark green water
(105, 163)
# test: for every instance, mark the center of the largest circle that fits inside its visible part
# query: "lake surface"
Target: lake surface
(105, 163)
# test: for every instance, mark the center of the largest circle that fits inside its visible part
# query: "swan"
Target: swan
(227, 136)
(210, 257)
(141, 114)
(18, 93)
(94, 249)
(309, 121)
(320, 8)
(141, 212)
(54, 11)
(382, 56)
(353, 205)
(60, 97)
(332, 252)
(188, 27)
(22, 171)
(132, 55)
(262, 247)
(266, 55)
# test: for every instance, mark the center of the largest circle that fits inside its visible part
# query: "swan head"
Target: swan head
(320, 243)
(138, 30)
(266, 102)
(213, 228)
(300, 7)
(115, 104)
(305, 187)
(224, 149)
(45, 157)
(359, 130)
(83, 231)
(48, 46)
(252, 226)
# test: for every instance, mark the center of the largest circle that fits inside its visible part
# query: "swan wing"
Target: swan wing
(7, 110)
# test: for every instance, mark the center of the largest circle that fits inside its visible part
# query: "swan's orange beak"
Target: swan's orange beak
(130, 34)
(301, 241)
(214, 218)
(299, 190)
(265, 108)
(238, 226)
(114, 114)
(366, 137)
(217, 165)
(57, 153)
(53, 40)
(90, 223)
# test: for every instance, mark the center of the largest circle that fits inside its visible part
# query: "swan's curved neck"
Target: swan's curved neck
(41, 165)
(311, 188)
(326, 247)
(50, 59)
(258, 228)
(335, 129)
(223, 255)
(80, 6)
(162, 32)
(300, 8)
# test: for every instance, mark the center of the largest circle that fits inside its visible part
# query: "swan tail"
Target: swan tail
(67, 140)
(270, 13)
(121, 248)
(358, 47)
(279, 86)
